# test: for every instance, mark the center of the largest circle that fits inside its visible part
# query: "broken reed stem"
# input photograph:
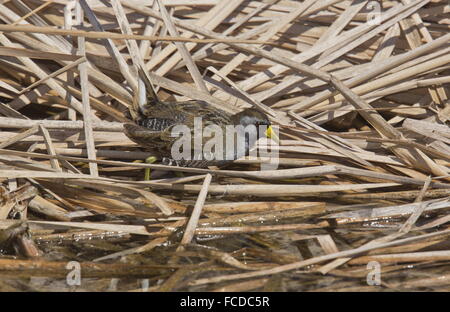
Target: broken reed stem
(54, 74)
(30, 268)
(407, 226)
(111, 35)
(195, 216)
(84, 81)
(17, 123)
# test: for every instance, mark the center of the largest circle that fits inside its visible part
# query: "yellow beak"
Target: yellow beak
(270, 133)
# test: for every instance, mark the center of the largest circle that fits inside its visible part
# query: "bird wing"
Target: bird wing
(209, 114)
(154, 140)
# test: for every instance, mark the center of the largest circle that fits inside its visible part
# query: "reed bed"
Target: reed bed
(359, 90)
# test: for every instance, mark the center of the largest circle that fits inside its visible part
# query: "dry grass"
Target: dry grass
(363, 111)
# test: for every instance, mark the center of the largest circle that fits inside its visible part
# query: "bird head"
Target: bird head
(251, 116)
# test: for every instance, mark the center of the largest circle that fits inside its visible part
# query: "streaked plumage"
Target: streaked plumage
(153, 124)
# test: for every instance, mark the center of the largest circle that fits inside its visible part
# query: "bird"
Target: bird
(153, 125)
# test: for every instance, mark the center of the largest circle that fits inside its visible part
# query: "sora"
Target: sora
(155, 123)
